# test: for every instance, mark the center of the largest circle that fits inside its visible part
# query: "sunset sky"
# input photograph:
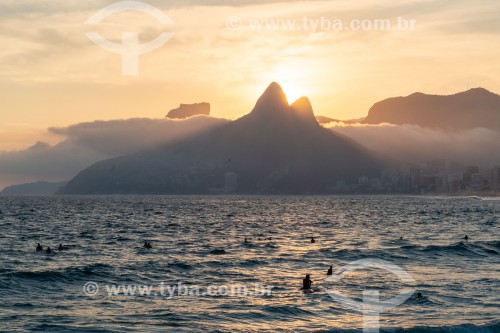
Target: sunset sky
(51, 74)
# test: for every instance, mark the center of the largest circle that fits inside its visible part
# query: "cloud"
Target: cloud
(410, 143)
(87, 143)
(120, 137)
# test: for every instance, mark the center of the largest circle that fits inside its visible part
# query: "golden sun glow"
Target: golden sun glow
(291, 78)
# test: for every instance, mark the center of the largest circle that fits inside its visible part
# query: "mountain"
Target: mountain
(32, 189)
(470, 109)
(189, 110)
(275, 149)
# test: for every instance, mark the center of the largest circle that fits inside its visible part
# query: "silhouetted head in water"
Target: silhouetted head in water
(419, 295)
(246, 240)
(313, 240)
(60, 247)
(48, 250)
(306, 283)
(401, 238)
(466, 237)
(330, 271)
(39, 248)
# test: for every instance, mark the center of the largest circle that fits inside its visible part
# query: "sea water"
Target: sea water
(198, 243)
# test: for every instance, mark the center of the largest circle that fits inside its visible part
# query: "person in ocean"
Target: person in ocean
(466, 237)
(313, 240)
(307, 283)
(60, 248)
(148, 245)
(419, 295)
(330, 271)
(246, 240)
(39, 248)
(48, 250)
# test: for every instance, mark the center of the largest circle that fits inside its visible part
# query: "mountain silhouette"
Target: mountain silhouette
(32, 189)
(275, 149)
(189, 110)
(474, 108)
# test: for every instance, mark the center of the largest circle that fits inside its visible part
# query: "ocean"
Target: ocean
(203, 276)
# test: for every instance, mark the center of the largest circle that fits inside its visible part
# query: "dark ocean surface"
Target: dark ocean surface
(198, 243)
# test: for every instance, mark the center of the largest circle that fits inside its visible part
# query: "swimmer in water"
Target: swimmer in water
(466, 237)
(39, 248)
(307, 283)
(330, 271)
(60, 248)
(246, 240)
(313, 240)
(48, 250)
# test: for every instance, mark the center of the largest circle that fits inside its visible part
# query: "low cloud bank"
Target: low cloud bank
(410, 143)
(87, 143)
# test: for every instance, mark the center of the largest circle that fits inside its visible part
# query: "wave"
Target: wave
(218, 251)
(68, 274)
(465, 328)
(180, 265)
(253, 262)
(476, 248)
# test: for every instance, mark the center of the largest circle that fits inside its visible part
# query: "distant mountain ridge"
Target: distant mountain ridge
(474, 108)
(275, 149)
(32, 189)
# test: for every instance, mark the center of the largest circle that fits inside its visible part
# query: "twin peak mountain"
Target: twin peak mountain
(275, 149)
(273, 107)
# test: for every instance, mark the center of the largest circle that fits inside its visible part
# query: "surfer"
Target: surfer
(48, 250)
(330, 271)
(148, 245)
(39, 248)
(307, 283)
(466, 237)
(60, 248)
(313, 240)
(246, 240)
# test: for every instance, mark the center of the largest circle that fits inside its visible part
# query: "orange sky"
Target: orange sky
(51, 74)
